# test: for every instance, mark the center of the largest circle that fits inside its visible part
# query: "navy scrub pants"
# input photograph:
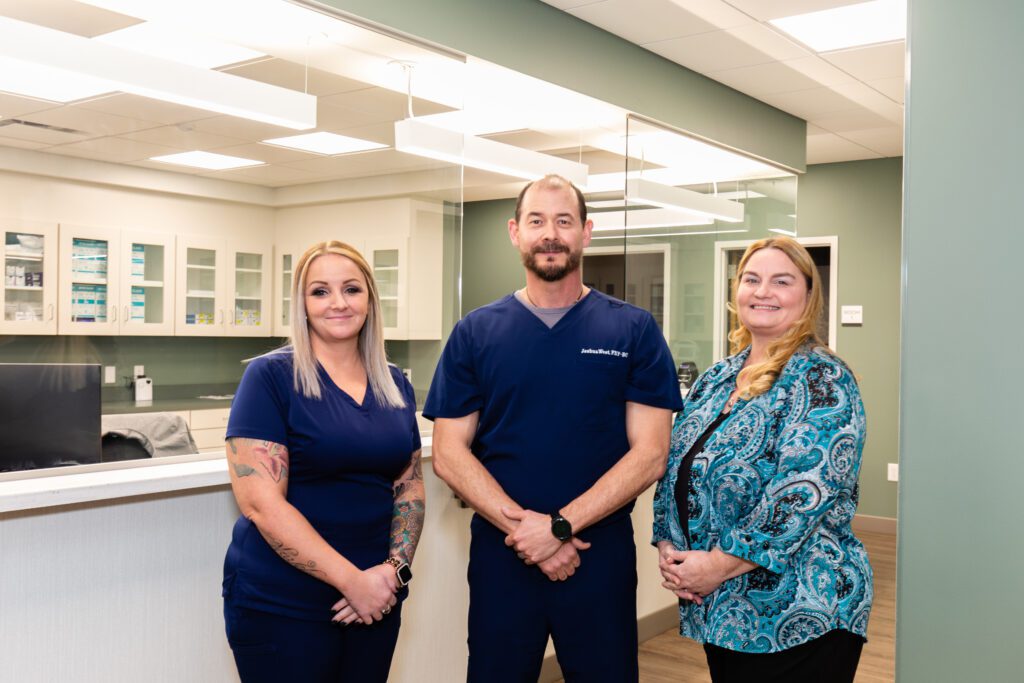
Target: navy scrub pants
(591, 617)
(270, 648)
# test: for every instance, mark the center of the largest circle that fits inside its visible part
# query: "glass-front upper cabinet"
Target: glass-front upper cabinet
(115, 282)
(29, 295)
(386, 261)
(223, 290)
(284, 263)
(89, 270)
(147, 284)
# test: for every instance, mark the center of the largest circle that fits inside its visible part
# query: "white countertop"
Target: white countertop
(122, 482)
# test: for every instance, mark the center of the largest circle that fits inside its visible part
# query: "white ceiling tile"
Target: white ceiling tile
(718, 13)
(270, 154)
(893, 88)
(232, 127)
(294, 76)
(385, 104)
(769, 41)
(809, 103)
(642, 21)
(112, 149)
(823, 149)
(136, 107)
(763, 79)
(22, 144)
(12, 106)
(872, 62)
(706, 52)
(183, 136)
(66, 15)
(774, 9)
(823, 73)
(167, 168)
(92, 122)
(333, 118)
(858, 118)
(815, 130)
(873, 100)
(41, 134)
(271, 176)
(887, 141)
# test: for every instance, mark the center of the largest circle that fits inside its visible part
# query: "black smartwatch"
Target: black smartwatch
(402, 570)
(560, 527)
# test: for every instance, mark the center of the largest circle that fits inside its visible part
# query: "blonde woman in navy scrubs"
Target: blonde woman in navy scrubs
(324, 457)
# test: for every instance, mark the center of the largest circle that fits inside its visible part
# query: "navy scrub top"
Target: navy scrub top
(344, 458)
(552, 402)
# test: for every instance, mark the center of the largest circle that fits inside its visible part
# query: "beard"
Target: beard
(551, 272)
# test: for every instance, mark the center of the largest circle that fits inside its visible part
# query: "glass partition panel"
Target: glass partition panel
(689, 210)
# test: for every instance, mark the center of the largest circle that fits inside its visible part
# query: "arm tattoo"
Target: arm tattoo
(270, 457)
(291, 556)
(409, 511)
(242, 470)
(406, 527)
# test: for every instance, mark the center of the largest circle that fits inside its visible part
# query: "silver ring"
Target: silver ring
(386, 610)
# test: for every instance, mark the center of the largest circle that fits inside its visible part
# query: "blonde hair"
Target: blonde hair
(759, 377)
(371, 337)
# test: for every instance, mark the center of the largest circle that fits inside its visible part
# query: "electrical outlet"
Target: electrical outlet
(140, 371)
(894, 471)
(109, 374)
(408, 373)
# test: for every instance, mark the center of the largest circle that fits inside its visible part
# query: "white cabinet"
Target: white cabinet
(208, 428)
(285, 259)
(223, 288)
(29, 295)
(115, 282)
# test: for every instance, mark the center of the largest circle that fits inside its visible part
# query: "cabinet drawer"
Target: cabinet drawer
(209, 439)
(208, 419)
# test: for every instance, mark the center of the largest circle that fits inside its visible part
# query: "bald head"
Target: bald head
(553, 182)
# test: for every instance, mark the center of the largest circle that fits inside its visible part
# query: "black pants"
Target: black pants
(831, 658)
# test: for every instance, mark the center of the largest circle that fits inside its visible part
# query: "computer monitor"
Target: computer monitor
(49, 415)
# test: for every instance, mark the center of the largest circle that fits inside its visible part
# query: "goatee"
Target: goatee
(551, 272)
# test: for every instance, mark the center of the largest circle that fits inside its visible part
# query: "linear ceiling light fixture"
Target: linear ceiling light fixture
(642, 191)
(423, 139)
(670, 234)
(866, 23)
(160, 79)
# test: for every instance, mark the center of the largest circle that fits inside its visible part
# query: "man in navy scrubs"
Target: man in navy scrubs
(552, 410)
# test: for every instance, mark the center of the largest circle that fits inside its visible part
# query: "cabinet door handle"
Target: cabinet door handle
(220, 312)
(127, 318)
(51, 312)
(113, 314)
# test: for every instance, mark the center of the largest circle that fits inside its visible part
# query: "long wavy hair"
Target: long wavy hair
(759, 377)
(371, 337)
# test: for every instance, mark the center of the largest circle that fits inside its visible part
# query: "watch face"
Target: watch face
(561, 528)
(404, 574)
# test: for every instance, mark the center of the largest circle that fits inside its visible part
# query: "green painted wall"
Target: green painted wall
(860, 201)
(542, 41)
(490, 264)
(176, 364)
(960, 557)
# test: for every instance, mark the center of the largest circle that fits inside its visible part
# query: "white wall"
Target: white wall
(53, 200)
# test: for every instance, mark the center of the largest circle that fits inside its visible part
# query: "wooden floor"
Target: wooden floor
(671, 658)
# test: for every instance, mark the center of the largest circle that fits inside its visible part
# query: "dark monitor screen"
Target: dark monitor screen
(49, 415)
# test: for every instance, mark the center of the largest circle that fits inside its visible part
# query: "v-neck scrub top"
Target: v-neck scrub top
(344, 458)
(552, 402)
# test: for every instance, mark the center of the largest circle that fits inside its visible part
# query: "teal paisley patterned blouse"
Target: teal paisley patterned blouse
(776, 484)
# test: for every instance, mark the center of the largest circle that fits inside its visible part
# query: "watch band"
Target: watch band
(402, 570)
(561, 528)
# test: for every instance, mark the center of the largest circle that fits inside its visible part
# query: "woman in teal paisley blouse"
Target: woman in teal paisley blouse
(752, 518)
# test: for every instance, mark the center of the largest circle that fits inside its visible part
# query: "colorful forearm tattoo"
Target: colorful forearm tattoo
(409, 511)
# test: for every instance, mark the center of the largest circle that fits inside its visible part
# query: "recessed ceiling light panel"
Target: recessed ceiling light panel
(207, 160)
(325, 143)
(866, 23)
(166, 43)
